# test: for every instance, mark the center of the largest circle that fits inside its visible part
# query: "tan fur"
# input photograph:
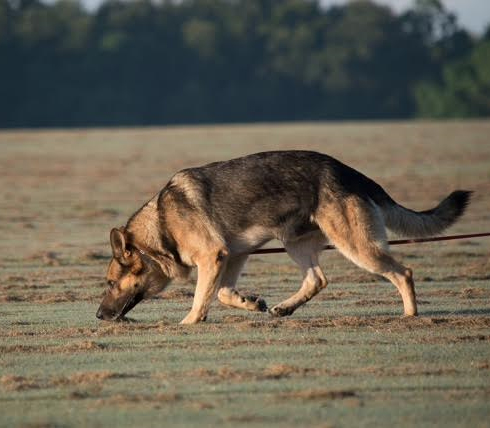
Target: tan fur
(199, 223)
(144, 231)
(356, 229)
(146, 228)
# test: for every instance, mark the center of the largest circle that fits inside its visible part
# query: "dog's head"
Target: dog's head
(132, 276)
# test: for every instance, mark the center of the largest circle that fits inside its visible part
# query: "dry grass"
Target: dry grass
(318, 394)
(138, 399)
(20, 383)
(73, 347)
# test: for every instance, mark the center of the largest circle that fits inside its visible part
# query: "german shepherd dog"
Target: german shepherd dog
(213, 216)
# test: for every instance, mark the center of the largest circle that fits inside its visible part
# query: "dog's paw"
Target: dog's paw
(255, 303)
(261, 305)
(192, 318)
(280, 311)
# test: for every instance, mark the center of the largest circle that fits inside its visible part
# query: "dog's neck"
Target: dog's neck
(143, 227)
(145, 233)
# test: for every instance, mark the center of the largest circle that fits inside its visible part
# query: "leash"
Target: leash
(393, 242)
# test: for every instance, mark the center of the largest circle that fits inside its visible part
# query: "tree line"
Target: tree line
(216, 61)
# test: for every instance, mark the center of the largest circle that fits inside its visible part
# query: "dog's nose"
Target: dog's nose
(100, 314)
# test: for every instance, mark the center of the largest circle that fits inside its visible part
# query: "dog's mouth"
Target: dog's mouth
(130, 303)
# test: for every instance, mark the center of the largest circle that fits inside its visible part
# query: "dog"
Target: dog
(212, 217)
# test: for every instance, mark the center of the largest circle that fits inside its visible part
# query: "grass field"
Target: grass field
(347, 359)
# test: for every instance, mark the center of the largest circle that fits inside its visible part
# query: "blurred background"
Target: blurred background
(109, 63)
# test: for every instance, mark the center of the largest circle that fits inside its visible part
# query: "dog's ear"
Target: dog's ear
(118, 243)
(122, 254)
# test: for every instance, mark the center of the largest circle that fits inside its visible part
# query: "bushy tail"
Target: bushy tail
(406, 222)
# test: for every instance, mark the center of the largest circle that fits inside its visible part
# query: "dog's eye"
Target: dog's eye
(111, 283)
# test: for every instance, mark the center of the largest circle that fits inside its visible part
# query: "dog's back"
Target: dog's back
(282, 190)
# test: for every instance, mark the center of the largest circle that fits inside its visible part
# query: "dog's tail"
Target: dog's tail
(406, 222)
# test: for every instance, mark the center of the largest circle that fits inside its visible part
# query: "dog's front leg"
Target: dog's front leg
(209, 272)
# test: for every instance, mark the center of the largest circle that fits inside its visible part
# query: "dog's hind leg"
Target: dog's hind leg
(356, 228)
(227, 294)
(305, 253)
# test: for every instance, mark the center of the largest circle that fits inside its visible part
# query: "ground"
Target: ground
(345, 359)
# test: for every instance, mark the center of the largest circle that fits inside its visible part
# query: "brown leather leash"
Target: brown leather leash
(393, 242)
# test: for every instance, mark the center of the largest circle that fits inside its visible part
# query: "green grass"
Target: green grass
(345, 359)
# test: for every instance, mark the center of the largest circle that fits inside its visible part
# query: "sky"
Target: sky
(474, 15)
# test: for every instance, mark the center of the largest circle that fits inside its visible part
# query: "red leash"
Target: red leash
(394, 242)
